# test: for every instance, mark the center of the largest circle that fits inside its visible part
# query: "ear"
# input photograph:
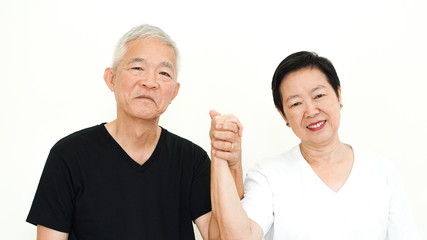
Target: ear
(175, 92)
(109, 78)
(339, 96)
(283, 116)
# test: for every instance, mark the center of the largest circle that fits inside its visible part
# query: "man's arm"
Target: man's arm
(227, 181)
(207, 223)
(44, 233)
(202, 224)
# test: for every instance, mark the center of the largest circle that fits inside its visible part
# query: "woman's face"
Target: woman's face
(311, 106)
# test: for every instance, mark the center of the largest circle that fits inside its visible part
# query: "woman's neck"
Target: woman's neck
(318, 154)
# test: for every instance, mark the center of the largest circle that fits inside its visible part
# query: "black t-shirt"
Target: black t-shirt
(92, 189)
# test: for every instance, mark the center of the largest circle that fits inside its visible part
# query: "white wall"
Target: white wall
(53, 54)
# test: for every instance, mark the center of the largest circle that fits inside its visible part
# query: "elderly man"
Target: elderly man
(129, 178)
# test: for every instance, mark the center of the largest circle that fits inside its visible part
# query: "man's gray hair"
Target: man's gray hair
(140, 32)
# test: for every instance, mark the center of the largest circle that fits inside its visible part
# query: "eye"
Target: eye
(165, 74)
(295, 104)
(319, 95)
(137, 68)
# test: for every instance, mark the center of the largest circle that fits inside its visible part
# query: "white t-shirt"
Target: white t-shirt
(289, 201)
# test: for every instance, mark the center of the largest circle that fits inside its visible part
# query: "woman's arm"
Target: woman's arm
(400, 224)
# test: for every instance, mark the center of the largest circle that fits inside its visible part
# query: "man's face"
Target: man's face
(144, 83)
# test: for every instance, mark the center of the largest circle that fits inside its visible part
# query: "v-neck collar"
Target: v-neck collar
(128, 159)
(318, 181)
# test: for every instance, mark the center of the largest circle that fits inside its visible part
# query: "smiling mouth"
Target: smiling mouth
(316, 125)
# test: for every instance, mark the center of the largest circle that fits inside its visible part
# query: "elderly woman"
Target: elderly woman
(319, 189)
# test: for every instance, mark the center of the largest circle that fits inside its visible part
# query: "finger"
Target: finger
(223, 146)
(239, 125)
(225, 117)
(227, 136)
(230, 118)
(214, 114)
(229, 157)
(228, 126)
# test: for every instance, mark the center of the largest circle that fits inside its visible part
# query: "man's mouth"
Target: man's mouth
(145, 97)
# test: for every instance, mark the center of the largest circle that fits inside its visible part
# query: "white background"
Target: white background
(53, 55)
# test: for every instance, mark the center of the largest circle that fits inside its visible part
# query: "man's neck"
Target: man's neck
(137, 137)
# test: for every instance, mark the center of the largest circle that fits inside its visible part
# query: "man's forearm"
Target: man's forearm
(213, 233)
(233, 222)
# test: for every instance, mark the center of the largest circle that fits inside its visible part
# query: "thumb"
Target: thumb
(214, 114)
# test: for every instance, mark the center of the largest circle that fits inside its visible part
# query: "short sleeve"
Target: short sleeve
(200, 197)
(53, 204)
(258, 200)
(401, 225)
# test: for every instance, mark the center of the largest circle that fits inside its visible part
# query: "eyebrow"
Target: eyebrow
(313, 90)
(165, 64)
(318, 87)
(136, 60)
(291, 97)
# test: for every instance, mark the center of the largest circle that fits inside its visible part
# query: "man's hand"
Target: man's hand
(225, 133)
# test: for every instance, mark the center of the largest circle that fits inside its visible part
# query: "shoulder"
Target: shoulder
(184, 151)
(81, 138)
(282, 162)
(371, 160)
(285, 166)
(181, 153)
(175, 142)
(375, 166)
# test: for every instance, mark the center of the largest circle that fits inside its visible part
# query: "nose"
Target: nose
(311, 110)
(148, 80)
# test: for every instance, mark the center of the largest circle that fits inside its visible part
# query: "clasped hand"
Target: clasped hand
(225, 134)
